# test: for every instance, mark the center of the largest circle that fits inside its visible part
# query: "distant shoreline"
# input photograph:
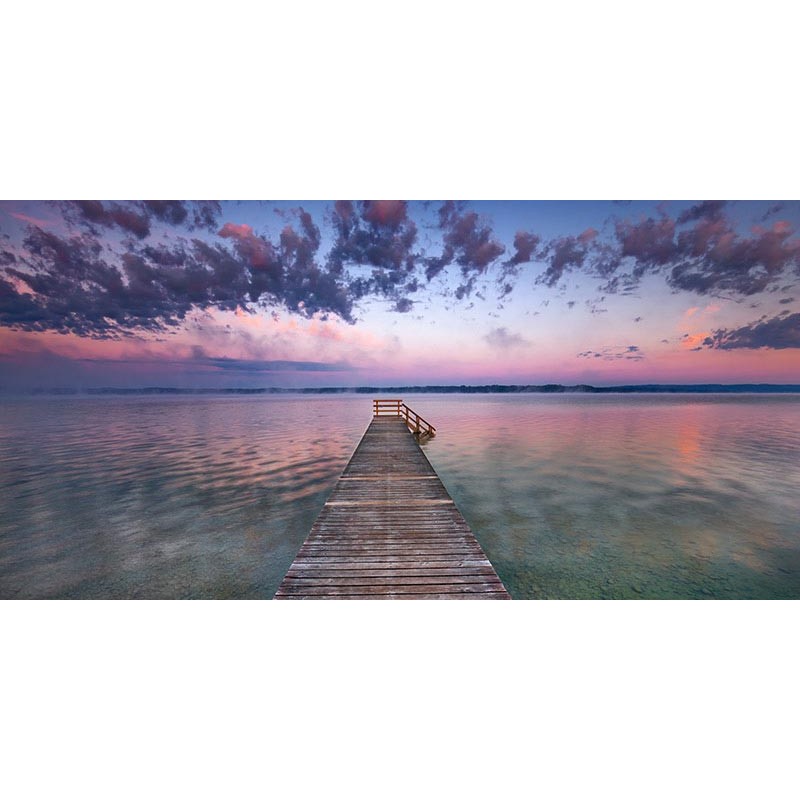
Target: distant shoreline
(552, 388)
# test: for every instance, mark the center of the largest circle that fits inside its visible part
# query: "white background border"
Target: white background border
(498, 100)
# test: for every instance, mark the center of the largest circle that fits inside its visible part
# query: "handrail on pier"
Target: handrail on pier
(397, 408)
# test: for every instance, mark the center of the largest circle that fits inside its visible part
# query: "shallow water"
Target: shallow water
(615, 496)
(570, 495)
(207, 496)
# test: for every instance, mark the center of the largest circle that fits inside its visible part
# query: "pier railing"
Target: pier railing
(397, 408)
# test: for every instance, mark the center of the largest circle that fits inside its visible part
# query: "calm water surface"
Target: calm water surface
(571, 496)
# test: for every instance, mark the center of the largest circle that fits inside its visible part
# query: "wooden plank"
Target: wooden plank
(395, 574)
(389, 529)
(459, 590)
(393, 596)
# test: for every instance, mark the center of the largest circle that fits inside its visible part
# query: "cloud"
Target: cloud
(257, 251)
(403, 305)
(629, 352)
(42, 223)
(468, 241)
(72, 284)
(198, 357)
(173, 212)
(525, 250)
(525, 244)
(501, 339)
(778, 333)
(379, 234)
(716, 259)
(699, 251)
(649, 242)
(562, 254)
(376, 233)
(19, 309)
(154, 271)
(708, 209)
(252, 365)
(129, 217)
(775, 208)
(136, 217)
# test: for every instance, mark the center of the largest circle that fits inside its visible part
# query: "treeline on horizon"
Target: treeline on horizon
(549, 388)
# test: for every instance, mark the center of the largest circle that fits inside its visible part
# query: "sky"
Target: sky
(207, 294)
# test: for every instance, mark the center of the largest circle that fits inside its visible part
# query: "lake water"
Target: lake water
(571, 496)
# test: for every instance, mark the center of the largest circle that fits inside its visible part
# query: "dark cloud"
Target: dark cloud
(136, 217)
(306, 287)
(200, 358)
(778, 333)
(71, 284)
(19, 309)
(775, 208)
(562, 254)
(205, 214)
(154, 272)
(525, 244)
(714, 259)
(468, 241)
(375, 233)
(379, 234)
(173, 212)
(649, 243)
(251, 365)
(525, 250)
(708, 209)
(129, 217)
(700, 251)
(629, 352)
(403, 305)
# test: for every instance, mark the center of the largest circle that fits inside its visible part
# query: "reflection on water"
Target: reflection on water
(570, 495)
(164, 497)
(620, 496)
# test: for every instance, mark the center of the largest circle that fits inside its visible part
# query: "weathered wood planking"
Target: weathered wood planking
(390, 530)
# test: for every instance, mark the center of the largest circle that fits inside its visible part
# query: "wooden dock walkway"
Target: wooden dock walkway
(390, 529)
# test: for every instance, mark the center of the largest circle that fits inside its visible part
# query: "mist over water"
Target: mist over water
(571, 496)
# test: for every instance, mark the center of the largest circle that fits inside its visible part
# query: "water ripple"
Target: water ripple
(570, 496)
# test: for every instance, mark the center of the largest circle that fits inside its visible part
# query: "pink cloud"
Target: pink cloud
(386, 212)
(42, 223)
(232, 230)
(255, 249)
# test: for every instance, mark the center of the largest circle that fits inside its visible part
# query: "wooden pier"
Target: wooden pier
(389, 528)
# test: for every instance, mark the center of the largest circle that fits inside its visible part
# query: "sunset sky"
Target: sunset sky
(350, 293)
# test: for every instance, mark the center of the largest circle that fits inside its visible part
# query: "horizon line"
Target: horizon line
(490, 388)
